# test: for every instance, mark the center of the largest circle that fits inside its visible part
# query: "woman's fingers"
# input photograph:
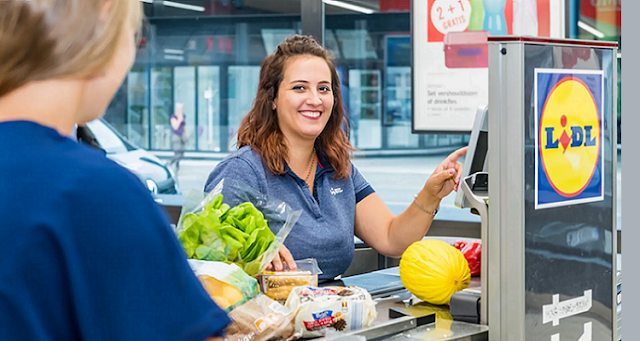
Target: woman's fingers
(459, 167)
(277, 262)
(282, 257)
(285, 255)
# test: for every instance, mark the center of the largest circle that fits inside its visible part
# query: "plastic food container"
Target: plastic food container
(466, 49)
(278, 284)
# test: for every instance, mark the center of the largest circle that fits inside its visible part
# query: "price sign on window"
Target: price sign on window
(451, 15)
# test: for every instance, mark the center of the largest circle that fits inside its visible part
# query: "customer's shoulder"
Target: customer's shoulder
(91, 172)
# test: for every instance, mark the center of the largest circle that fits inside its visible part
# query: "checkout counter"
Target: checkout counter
(541, 174)
(548, 167)
(401, 316)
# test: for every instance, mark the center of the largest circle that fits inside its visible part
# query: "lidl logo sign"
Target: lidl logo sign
(569, 149)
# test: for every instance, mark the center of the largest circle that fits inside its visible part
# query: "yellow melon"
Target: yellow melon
(433, 270)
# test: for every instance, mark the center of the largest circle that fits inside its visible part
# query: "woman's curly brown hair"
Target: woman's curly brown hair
(260, 130)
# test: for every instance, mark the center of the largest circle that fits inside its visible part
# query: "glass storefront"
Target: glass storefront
(598, 20)
(207, 54)
(208, 99)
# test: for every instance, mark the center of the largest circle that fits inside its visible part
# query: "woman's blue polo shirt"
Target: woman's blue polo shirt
(325, 230)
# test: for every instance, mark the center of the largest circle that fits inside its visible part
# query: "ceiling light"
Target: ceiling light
(172, 57)
(350, 7)
(174, 51)
(178, 5)
(183, 6)
(590, 29)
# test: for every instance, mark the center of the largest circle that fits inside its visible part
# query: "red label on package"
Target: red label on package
(318, 324)
(310, 291)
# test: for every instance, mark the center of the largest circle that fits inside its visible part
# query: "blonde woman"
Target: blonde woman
(86, 252)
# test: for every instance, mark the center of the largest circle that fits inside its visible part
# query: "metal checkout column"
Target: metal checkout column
(552, 214)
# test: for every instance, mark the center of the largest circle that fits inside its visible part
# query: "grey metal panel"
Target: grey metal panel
(567, 18)
(561, 258)
(484, 265)
(506, 193)
(512, 195)
(478, 201)
(452, 228)
(312, 18)
(492, 245)
(596, 44)
(614, 194)
(527, 262)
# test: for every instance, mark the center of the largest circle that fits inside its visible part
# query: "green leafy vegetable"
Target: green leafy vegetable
(221, 233)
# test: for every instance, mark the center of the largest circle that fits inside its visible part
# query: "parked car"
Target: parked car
(158, 178)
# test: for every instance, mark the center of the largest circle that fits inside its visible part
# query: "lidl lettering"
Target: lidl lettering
(580, 137)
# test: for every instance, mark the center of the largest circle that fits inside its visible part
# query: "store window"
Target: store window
(372, 47)
(373, 56)
(599, 20)
(206, 56)
(209, 121)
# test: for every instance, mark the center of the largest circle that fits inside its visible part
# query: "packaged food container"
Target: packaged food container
(278, 284)
(321, 312)
(466, 49)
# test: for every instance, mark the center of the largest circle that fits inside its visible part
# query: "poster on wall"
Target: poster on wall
(569, 164)
(449, 37)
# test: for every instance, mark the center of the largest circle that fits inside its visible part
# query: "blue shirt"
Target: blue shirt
(86, 252)
(325, 230)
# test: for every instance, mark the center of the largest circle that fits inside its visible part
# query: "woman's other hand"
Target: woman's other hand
(446, 177)
(282, 257)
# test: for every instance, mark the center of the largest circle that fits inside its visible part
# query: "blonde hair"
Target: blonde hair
(45, 39)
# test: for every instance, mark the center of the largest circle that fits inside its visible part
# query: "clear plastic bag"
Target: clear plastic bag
(245, 228)
(260, 319)
(227, 284)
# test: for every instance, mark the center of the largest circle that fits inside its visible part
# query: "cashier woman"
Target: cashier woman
(293, 145)
(86, 252)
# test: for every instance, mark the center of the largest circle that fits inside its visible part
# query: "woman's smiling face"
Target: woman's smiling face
(305, 100)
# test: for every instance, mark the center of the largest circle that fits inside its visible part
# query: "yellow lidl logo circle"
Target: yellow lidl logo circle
(569, 136)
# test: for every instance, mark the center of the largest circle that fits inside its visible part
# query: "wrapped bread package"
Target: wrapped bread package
(260, 319)
(322, 311)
